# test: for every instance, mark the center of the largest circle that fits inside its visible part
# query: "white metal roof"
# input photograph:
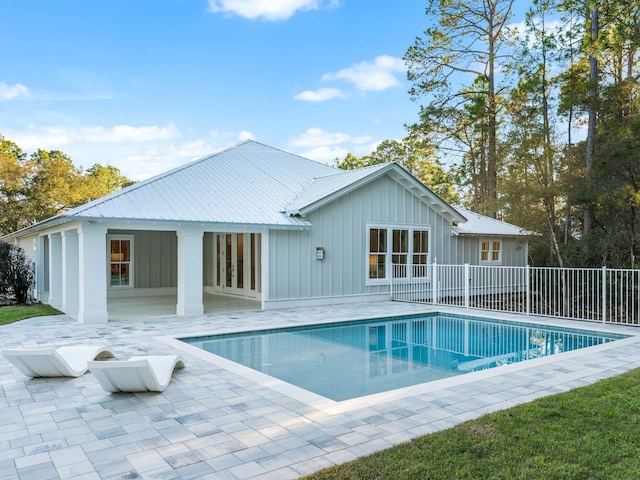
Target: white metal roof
(250, 183)
(325, 186)
(254, 184)
(478, 224)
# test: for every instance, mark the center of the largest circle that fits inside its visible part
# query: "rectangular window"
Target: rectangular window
(120, 260)
(400, 255)
(420, 252)
(495, 251)
(377, 253)
(407, 256)
(485, 247)
(490, 251)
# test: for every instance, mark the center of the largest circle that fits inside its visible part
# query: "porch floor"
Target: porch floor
(143, 308)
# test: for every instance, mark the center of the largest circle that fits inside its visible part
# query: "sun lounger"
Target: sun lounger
(138, 374)
(68, 361)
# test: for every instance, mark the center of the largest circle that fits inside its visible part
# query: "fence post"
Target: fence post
(604, 294)
(391, 282)
(434, 281)
(528, 289)
(466, 285)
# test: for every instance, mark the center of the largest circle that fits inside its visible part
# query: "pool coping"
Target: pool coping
(334, 407)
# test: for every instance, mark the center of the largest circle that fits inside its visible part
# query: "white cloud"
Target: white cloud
(316, 137)
(57, 137)
(553, 26)
(192, 150)
(380, 74)
(320, 95)
(273, 10)
(325, 154)
(10, 92)
(325, 147)
(244, 135)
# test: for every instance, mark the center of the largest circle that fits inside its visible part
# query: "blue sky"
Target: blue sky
(148, 85)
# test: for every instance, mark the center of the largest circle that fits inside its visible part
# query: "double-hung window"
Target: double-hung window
(397, 251)
(120, 260)
(378, 253)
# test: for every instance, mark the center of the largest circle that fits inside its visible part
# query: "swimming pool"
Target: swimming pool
(353, 359)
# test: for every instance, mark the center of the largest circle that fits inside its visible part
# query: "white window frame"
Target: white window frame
(130, 238)
(490, 252)
(386, 280)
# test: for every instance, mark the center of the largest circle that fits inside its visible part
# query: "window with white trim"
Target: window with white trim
(377, 253)
(120, 260)
(490, 251)
(399, 251)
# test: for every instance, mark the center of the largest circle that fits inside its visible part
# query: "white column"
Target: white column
(190, 285)
(92, 278)
(55, 270)
(43, 293)
(70, 272)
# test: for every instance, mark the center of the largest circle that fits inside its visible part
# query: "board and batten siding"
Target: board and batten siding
(466, 249)
(341, 229)
(155, 257)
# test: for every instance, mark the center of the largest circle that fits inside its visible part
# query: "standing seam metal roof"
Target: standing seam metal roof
(254, 184)
(250, 183)
(478, 224)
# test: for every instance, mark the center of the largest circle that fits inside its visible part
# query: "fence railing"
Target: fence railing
(593, 294)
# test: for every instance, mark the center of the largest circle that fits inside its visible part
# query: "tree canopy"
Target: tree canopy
(543, 120)
(417, 157)
(46, 183)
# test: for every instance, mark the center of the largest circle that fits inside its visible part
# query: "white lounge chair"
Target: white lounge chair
(68, 361)
(151, 373)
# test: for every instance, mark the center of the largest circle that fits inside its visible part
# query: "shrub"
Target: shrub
(16, 276)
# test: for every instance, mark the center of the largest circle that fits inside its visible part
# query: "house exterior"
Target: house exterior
(259, 223)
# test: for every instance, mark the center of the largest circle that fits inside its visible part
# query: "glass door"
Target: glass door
(229, 263)
(237, 264)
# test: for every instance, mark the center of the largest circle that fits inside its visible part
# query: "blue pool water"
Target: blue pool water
(349, 360)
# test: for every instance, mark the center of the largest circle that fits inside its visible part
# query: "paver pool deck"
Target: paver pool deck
(216, 422)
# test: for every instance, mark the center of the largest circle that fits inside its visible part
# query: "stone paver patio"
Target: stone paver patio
(215, 422)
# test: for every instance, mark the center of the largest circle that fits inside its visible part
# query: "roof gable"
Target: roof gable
(329, 188)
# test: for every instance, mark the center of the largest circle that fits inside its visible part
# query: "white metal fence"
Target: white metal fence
(593, 294)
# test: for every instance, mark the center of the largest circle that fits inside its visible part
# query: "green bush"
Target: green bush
(16, 276)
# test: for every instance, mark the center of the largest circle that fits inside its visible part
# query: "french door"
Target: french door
(237, 263)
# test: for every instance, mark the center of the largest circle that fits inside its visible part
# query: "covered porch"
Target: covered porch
(99, 271)
(156, 306)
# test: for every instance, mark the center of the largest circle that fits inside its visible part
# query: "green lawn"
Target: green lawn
(14, 313)
(591, 432)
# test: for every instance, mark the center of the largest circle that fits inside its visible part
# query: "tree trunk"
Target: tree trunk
(593, 105)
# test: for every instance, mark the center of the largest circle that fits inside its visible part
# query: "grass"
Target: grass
(586, 433)
(13, 313)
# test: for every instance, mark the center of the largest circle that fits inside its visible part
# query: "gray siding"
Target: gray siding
(467, 250)
(341, 228)
(155, 258)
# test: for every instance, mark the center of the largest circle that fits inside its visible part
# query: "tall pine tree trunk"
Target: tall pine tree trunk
(593, 106)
